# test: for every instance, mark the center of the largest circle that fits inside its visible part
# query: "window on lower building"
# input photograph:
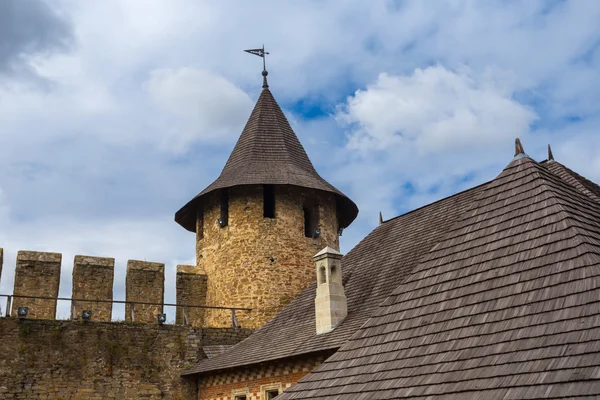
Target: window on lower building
(240, 397)
(271, 394)
(269, 201)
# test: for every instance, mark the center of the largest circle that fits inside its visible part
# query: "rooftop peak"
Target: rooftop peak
(519, 151)
(550, 155)
(261, 53)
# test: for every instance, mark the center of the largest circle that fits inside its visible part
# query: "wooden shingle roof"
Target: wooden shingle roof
(371, 271)
(268, 152)
(506, 305)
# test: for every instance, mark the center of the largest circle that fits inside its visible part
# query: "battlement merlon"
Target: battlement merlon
(93, 279)
(191, 285)
(145, 282)
(37, 274)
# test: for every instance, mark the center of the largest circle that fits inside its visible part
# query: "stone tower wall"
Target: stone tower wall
(93, 280)
(37, 274)
(144, 282)
(256, 262)
(191, 285)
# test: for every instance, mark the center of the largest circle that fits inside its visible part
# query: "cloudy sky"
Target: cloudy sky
(114, 113)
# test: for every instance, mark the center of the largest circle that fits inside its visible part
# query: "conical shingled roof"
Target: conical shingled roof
(268, 152)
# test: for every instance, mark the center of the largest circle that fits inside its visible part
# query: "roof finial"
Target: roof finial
(380, 218)
(518, 147)
(550, 155)
(261, 53)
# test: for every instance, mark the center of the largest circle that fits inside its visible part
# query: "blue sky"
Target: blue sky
(113, 114)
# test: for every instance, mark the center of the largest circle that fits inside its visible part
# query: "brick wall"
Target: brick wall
(252, 381)
(256, 262)
(74, 360)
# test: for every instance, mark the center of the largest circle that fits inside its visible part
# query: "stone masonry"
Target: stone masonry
(331, 306)
(78, 360)
(257, 262)
(37, 274)
(144, 283)
(93, 279)
(191, 285)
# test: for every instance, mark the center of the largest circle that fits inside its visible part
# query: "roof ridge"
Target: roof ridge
(571, 221)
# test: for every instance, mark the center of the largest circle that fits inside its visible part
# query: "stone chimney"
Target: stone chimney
(331, 306)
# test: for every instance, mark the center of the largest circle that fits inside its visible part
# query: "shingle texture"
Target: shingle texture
(506, 305)
(268, 152)
(371, 271)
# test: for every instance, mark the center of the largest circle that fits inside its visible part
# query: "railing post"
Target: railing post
(185, 315)
(8, 305)
(234, 321)
(73, 310)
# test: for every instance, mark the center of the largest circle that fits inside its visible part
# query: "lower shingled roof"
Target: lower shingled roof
(505, 306)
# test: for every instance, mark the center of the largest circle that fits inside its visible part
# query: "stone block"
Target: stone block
(93, 280)
(37, 274)
(145, 282)
(191, 285)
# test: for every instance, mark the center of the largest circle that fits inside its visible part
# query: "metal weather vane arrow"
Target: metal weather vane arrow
(261, 53)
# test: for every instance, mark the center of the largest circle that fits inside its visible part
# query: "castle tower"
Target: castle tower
(260, 223)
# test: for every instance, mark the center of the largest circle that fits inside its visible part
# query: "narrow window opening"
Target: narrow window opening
(240, 397)
(271, 394)
(269, 201)
(309, 228)
(224, 219)
(322, 275)
(311, 222)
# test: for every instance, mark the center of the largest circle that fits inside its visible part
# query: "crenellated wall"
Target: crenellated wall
(46, 359)
(38, 274)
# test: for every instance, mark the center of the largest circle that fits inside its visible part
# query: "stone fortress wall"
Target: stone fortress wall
(38, 274)
(258, 262)
(44, 358)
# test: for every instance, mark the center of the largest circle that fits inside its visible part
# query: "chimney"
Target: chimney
(331, 306)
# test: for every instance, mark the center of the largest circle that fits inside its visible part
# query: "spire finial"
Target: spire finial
(380, 218)
(550, 155)
(261, 53)
(518, 147)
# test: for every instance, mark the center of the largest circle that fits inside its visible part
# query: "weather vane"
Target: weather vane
(261, 53)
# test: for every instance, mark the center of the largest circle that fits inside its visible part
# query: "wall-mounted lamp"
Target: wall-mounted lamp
(161, 318)
(317, 233)
(22, 311)
(222, 222)
(86, 315)
(340, 231)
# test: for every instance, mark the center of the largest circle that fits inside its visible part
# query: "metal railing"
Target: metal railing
(129, 305)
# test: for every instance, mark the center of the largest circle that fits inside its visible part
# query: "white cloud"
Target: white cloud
(210, 107)
(435, 110)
